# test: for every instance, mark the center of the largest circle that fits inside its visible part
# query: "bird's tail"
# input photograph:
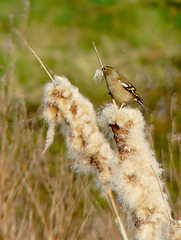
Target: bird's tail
(143, 106)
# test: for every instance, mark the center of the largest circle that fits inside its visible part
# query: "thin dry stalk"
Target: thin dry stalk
(119, 221)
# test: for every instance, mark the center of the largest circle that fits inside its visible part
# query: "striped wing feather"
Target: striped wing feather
(130, 88)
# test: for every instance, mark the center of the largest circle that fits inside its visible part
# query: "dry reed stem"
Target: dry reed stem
(119, 222)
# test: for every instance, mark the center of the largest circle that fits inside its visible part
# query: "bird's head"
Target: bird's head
(110, 72)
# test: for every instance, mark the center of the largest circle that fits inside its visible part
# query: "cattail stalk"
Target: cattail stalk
(63, 104)
(137, 177)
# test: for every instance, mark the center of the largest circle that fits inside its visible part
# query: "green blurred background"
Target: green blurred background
(139, 38)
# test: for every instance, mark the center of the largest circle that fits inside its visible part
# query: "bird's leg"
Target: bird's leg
(114, 102)
(122, 105)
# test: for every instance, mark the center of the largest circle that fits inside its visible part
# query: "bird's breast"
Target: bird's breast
(118, 91)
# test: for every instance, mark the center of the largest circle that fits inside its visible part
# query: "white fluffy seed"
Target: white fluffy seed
(98, 75)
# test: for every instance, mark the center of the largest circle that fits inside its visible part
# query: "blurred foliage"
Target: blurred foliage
(139, 38)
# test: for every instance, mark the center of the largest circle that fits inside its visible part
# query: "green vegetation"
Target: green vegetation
(139, 38)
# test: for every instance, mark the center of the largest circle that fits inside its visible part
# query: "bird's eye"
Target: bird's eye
(104, 68)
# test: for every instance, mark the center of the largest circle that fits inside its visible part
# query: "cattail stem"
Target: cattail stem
(137, 176)
(99, 59)
(40, 61)
(119, 222)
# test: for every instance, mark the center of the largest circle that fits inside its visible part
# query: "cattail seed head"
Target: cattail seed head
(63, 104)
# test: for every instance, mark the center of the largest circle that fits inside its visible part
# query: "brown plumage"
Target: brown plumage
(120, 88)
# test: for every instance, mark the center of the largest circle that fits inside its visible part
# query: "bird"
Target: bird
(120, 88)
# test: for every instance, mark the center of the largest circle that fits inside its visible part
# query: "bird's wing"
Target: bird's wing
(130, 88)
